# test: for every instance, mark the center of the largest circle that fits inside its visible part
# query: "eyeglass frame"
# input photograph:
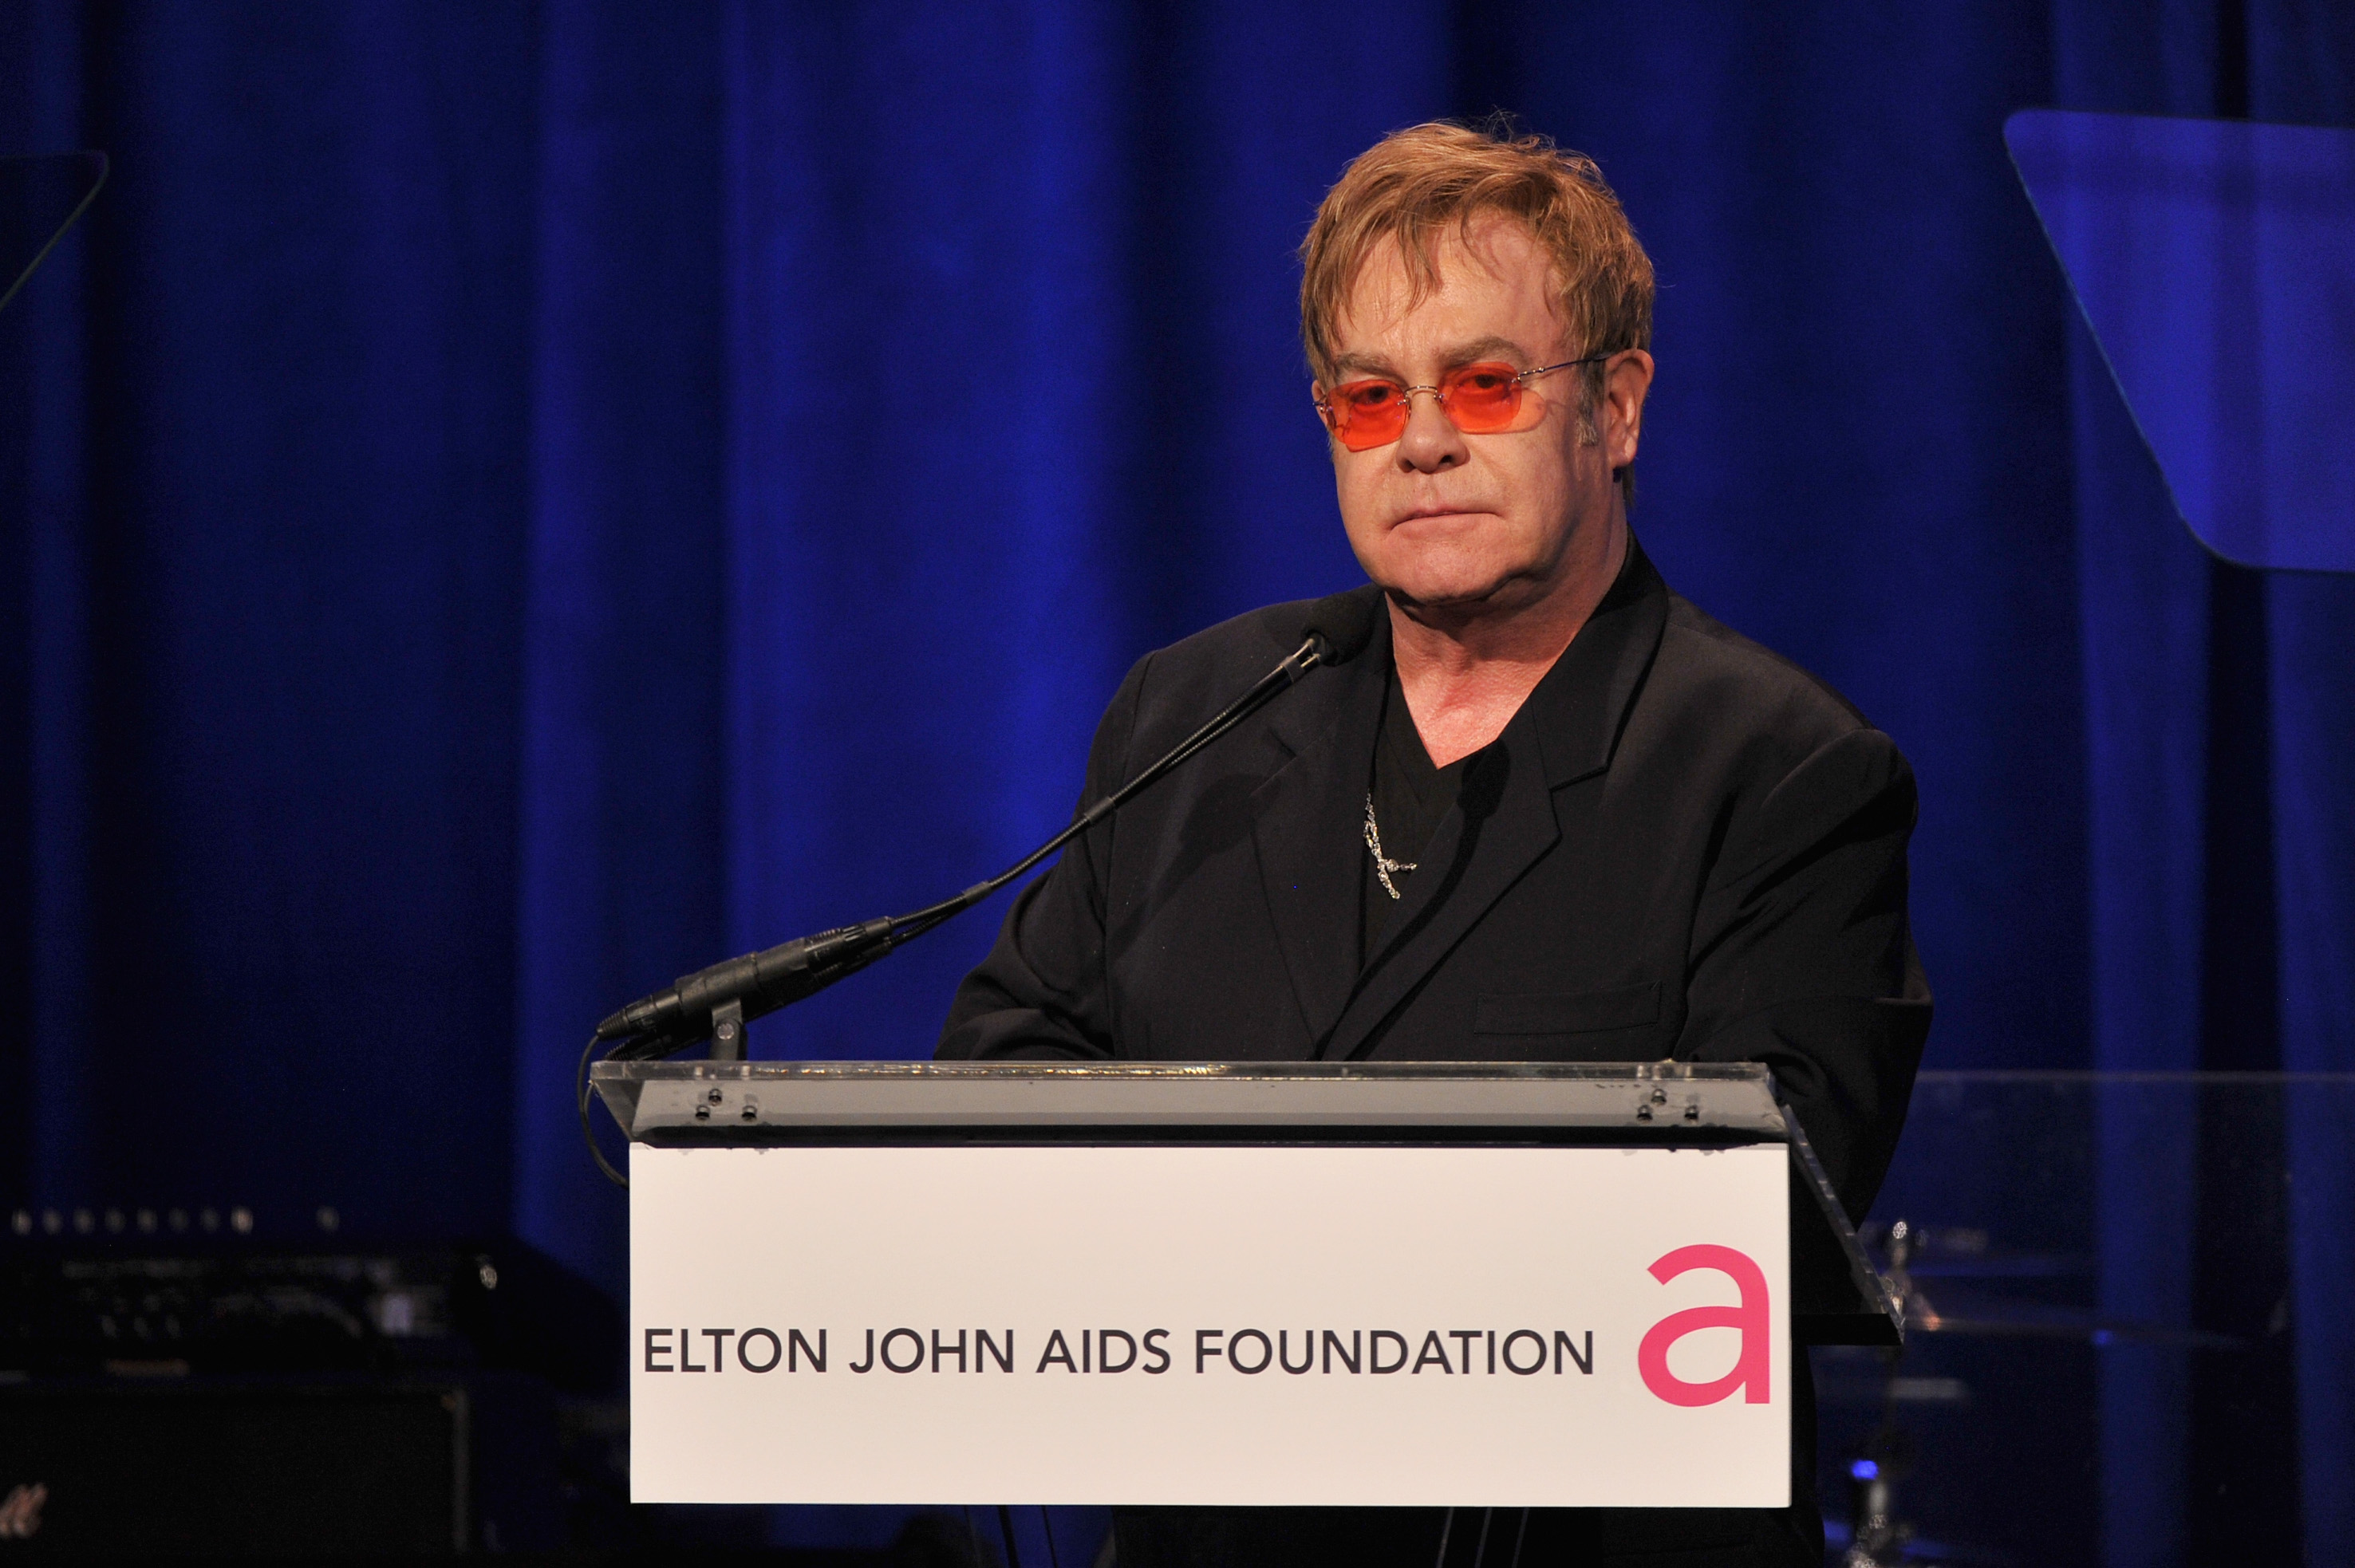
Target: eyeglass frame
(1406, 394)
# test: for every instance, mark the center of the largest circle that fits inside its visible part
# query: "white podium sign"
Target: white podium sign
(1341, 1324)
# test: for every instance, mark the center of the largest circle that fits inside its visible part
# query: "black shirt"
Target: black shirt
(1408, 797)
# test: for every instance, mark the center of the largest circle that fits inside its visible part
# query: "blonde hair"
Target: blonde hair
(1412, 183)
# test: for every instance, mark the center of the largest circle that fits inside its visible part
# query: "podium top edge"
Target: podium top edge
(719, 1101)
(1191, 1072)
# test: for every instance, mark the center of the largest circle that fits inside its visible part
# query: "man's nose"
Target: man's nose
(1431, 441)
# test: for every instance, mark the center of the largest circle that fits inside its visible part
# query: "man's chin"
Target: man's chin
(1457, 568)
(1448, 597)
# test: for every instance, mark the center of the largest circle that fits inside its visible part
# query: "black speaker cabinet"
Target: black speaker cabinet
(252, 1467)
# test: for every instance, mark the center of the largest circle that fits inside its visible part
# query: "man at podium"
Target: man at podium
(1553, 812)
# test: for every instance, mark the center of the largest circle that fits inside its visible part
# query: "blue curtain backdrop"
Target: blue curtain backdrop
(504, 504)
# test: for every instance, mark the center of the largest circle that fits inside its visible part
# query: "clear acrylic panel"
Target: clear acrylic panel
(2214, 260)
(40, 199)
(2125, 1341)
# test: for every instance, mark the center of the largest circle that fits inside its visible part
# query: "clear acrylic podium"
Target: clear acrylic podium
(1345, 1284)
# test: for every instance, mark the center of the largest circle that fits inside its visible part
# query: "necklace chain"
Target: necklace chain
(1383, 865)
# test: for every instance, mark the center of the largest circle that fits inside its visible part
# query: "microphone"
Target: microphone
(1334, 630)
(1342, 624)
(763, 983)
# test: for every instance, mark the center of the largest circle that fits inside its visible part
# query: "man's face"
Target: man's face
(1464, 524)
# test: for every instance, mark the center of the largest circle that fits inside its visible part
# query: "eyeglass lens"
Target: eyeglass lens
(1482, 399)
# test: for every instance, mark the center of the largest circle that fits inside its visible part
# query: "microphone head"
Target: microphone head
(1343, 623)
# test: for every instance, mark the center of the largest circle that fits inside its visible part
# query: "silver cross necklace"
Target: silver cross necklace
(1383, 865)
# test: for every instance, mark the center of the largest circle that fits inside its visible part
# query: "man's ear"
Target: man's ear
(1626, 379)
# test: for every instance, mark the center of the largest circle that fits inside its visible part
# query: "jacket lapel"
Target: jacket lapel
(1304, 825)
(1504, 818)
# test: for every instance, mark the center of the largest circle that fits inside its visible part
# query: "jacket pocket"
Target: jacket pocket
(1568, 1012)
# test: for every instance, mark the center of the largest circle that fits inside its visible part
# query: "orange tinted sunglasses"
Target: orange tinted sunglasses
(1483, 399)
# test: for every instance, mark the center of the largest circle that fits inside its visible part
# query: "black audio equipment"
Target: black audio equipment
(232, 1395)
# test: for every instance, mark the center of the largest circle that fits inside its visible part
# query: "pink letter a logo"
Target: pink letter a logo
(1749, 1372)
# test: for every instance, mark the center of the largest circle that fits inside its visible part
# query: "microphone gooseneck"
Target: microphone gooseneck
(1334, 632)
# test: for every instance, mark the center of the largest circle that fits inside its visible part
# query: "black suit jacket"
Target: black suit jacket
(1683, 845)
